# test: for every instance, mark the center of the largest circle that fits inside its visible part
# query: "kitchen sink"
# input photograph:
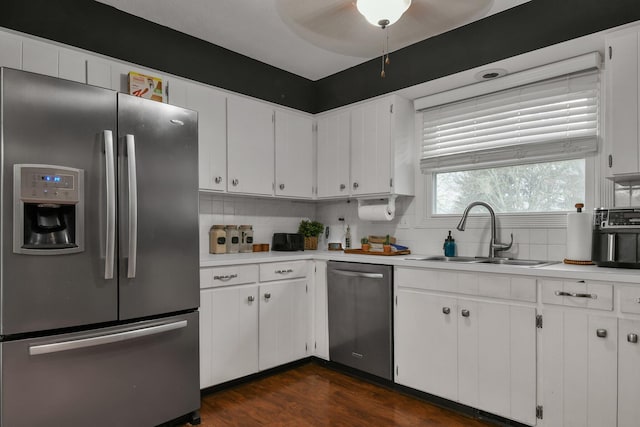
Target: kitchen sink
(478, 260)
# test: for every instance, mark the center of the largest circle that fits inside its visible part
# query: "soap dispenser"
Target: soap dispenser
(449, 245)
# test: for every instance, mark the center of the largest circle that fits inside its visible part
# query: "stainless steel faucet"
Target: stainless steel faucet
(493, 245)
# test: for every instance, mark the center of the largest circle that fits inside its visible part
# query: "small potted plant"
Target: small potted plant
(310, 230)
(364, 243)
(386, 246)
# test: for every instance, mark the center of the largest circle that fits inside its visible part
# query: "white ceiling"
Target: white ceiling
(333, 38)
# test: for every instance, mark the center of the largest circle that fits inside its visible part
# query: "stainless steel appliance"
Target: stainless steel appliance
(616, 237)
(360, 298)
(99, 256)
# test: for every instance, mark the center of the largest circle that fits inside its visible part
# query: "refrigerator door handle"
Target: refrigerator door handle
(110, 239)
(133, 206)
(57, 347)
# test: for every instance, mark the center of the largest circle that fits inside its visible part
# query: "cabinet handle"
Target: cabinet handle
(465, 313)
(284, 271)
(610, 160)
(638, 300)
(355, 185)
(632, 338)
(282, 186)
(267, 295)
(225, 277)
(342, 187)
(250, 298)
(218, 179)
(446, 310)
(601, 333)
(575, 295)
(235, 182)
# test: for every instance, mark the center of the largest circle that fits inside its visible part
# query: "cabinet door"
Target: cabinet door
(72, 66)
(628, 373)
(250, 148)
(579, 384)
(206, 338)
(294, 155)
(41, 58)
(621, 60)
(321, 325)
(10, 51)
(426, 343)
(234, 326)
(371, 148)
(211, 106)
(334, 134)
(283, 323)
(98, 73)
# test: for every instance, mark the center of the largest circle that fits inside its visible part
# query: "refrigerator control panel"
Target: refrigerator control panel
(48, 184)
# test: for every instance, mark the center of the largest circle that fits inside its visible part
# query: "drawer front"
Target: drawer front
(630, 299)
(283, 270)
(431, 280)
(506, 287)
(229, 275)
(579, 293)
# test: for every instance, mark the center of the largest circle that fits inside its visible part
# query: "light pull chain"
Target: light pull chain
(385, 50)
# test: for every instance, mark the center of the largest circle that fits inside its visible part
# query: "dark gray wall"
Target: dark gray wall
(99, 28)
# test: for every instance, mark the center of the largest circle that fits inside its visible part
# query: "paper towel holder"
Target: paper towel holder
(391, 203)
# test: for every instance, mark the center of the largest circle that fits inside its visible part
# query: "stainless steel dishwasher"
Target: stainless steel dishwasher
(360, 298)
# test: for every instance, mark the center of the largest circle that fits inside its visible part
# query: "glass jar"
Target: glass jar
(217, 240)
(233, 239)
(246, 238)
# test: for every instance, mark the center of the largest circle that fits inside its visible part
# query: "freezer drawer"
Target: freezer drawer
(142, 374)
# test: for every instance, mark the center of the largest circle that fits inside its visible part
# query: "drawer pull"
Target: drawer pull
(446, 310)
(465, 313)
(267, 296)
(284, 271)
(632, 338)
(575, 295)
(601, 333)
(225, 277)
(250, 298)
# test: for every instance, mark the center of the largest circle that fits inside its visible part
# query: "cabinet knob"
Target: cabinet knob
(218, 179)
(355, 185)
(235, 182)
(446, 310)
(267, 295)
(282, 186)
(632, 338)
(465, 313)
(342, 187)
(601, 333)
(250, 298)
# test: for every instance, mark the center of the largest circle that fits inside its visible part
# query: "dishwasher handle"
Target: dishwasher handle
(358, 274)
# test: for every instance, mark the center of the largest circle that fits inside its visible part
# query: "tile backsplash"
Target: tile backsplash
(276, 215)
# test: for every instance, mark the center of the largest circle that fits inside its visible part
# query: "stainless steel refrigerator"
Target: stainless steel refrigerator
(99, 257)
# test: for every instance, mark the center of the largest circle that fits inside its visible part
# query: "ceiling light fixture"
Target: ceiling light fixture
(383, 13)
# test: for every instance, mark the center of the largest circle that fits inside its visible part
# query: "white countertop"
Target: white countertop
(558, 271)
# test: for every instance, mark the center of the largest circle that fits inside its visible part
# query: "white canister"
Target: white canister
(579, 229)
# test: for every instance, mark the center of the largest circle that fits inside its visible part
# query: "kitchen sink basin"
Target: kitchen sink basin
(477, 260)
(465, 259)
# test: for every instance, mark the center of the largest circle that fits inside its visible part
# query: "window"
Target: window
(522, 150)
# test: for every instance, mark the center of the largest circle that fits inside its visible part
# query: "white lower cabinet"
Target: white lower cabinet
(628, 373)
(579, 368)
(478, 352)
(247, 326)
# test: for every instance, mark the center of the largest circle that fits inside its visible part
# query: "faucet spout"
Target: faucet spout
(494, 246)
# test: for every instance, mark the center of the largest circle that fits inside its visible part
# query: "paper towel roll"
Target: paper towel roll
(579, 236)
(375, 213)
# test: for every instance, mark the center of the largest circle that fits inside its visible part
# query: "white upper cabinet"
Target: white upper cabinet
(382, 154)
(622, 113)
(72, 66)
(98, 73)
(176, 91)
(294, 155)
(334, 134)
(250, 147)
(211, 106)
(41, 58)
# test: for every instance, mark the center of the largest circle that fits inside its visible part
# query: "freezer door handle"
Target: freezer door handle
(105, 339)
(133, 206)
(358, 274)
(110, 238)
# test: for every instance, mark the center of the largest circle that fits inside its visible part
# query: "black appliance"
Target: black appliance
(287, 242)
(616, 237)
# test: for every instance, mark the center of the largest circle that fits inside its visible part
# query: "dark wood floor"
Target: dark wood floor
(312, 395)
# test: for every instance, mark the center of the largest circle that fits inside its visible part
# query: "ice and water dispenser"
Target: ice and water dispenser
(48, 209)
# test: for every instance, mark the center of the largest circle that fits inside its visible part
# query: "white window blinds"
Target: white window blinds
(554, 119)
